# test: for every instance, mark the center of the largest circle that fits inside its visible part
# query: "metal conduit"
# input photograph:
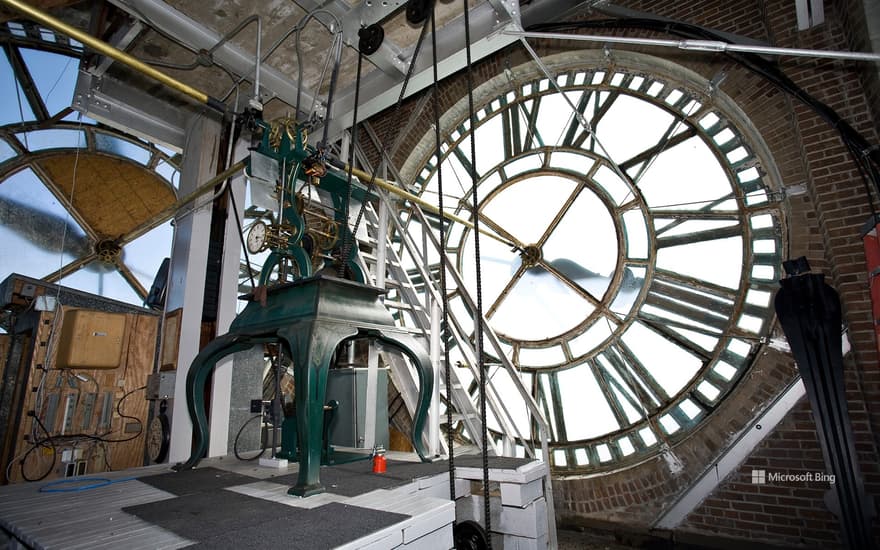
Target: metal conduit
(698, 45)
(104, 48)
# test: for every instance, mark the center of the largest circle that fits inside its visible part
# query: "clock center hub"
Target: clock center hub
(531, 255)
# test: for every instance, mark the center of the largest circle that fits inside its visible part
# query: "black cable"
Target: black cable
(382, 150)
(479, 279)
(238, 435)
(444, 323)
(122, 415)
(348, 239)
(247, 258)
(101, 438)
(33, 448)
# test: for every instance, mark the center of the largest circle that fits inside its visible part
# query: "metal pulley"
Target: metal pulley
(417, 11)
(371, 38)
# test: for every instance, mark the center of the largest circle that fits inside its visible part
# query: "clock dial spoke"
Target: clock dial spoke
(604, 102)
(574, 134)
(519, 245)
(665, 328)
(606, 388)
(464, 158)
(665, 241)
(567, 281)
(556, 398)
(505, 291)
(648, 156)
(532, 136)
(635, 372)
(131, 279)
(561, 214)
(635, 250)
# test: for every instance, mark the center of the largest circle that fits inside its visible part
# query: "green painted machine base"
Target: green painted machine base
(308, 318)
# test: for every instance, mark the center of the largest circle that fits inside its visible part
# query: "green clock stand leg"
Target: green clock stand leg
(311, 346)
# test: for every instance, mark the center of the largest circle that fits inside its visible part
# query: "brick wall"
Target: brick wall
(792, 512)
(823, 225)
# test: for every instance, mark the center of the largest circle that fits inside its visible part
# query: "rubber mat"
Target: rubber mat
(197, 480)
(225, 519)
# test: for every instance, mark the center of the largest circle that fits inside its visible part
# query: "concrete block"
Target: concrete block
(521, 495)
(441, 539)
(529, 521)
(513, 542)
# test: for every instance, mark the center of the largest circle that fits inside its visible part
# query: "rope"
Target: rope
(444, 323)
(374, 173)
(479, 279)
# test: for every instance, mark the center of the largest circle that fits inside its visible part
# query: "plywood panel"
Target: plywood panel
(91, 339)
(82, 397)
(5, 342)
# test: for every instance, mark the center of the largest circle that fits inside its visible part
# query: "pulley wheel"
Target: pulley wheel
(417, 11)
(470, 535)
(370, 39)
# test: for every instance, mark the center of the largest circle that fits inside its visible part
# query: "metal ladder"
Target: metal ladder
(407, 298)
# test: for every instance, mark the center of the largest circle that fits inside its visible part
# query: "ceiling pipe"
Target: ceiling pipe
(699, 45)
(106, 49)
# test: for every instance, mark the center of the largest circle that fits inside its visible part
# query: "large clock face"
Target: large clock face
(647, 248)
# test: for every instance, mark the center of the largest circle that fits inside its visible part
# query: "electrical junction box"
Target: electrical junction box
(160, 385)
(91, 340)
(348, 386)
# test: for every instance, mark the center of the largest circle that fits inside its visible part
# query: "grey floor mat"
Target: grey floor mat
(225, 519)
(347, 480)
(196, 480)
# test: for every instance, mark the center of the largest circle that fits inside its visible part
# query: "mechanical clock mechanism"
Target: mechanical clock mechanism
(313, 203)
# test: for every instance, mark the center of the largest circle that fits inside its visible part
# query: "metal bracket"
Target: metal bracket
(129, 109)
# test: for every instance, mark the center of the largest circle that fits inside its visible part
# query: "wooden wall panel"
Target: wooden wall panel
(117, 446)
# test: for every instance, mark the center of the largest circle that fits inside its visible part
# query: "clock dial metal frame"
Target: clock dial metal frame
(651, 245)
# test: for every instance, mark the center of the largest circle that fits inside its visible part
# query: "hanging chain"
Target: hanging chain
(479, 279)
(348, 239)
(444, 324)
(349, 244)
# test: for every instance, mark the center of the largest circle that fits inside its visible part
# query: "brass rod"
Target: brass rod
(104, 48)
(171, 210)
(393, 189)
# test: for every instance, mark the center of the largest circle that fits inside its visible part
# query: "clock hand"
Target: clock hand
(514, 242)
(505, 237)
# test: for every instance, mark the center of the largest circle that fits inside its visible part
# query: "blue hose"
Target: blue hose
(99, 482)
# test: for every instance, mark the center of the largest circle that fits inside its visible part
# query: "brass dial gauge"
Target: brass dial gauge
(256, 239)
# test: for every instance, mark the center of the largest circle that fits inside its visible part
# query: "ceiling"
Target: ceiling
(211, 46)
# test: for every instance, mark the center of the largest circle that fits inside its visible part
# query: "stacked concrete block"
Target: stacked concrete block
(517, 507)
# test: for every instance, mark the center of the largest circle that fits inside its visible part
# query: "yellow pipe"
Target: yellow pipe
(171, 210)
(391, 188)
(106, 49)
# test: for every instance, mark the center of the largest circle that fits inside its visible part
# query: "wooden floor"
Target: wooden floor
(94, 519)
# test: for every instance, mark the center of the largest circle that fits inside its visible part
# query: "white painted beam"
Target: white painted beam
(221, 386)
(731, 458)
(189, 260)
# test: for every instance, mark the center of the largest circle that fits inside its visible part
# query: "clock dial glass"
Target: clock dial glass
(256, 238)
(647, 247)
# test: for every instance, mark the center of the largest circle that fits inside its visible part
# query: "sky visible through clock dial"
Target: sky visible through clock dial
(653, 244)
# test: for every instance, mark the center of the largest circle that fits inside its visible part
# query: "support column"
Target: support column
(186, 287)
(221, 387)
